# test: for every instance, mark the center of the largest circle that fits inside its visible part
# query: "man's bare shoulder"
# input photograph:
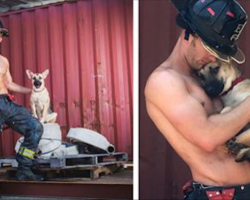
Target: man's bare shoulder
(163, 79)
(4, 60)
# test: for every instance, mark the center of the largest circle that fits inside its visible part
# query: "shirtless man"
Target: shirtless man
(186, 116)
(19, 119)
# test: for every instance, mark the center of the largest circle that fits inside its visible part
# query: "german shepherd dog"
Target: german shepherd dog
(226, 80)
(40, 99)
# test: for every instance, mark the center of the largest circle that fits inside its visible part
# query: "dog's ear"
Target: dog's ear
(45, 73)
(29, 73)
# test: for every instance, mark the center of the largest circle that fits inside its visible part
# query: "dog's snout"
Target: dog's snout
(37, 83)
(210, 90)
(214, 88)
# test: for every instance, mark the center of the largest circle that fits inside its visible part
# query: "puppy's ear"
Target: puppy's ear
(45, 73)
(29, 73)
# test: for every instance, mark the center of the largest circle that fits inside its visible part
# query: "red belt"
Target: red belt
(11, 97)
(225, 194)
(217, 194)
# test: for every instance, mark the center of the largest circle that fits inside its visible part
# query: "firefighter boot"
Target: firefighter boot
(25, 159)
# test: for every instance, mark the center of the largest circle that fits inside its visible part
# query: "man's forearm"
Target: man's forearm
(235, 119)
(18, 88)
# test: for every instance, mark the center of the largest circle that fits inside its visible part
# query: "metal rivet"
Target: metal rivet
(242, 187)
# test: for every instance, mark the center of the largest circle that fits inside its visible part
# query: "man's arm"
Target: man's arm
(167, 92)
(13, 86)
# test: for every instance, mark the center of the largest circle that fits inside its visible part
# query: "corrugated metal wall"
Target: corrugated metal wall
(162, 172)
(87, 46)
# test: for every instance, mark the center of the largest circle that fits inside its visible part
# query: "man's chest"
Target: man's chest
(3, 67)
(211, 106)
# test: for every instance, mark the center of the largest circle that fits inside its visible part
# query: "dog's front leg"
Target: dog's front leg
(33, 108)
(242, 146)
(244, 138)
(45, 112)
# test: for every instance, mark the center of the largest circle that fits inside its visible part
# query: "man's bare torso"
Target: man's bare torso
(211, 168)
(3, 71)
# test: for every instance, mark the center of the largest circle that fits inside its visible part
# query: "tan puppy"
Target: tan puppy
(39, 99)
(226, 80)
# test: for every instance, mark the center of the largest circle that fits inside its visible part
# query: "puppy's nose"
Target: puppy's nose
(211, 91)
(37, 84)
(214, 87)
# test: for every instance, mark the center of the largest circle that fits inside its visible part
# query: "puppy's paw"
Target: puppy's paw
(51, 118)
(234, 148)
(243, 155)
(42, 120)
(226, 109)
(35, 116)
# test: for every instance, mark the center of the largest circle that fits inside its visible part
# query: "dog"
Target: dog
(226, 80)
(40, 99)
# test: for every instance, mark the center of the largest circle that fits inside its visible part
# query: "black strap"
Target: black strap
(187, 33)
